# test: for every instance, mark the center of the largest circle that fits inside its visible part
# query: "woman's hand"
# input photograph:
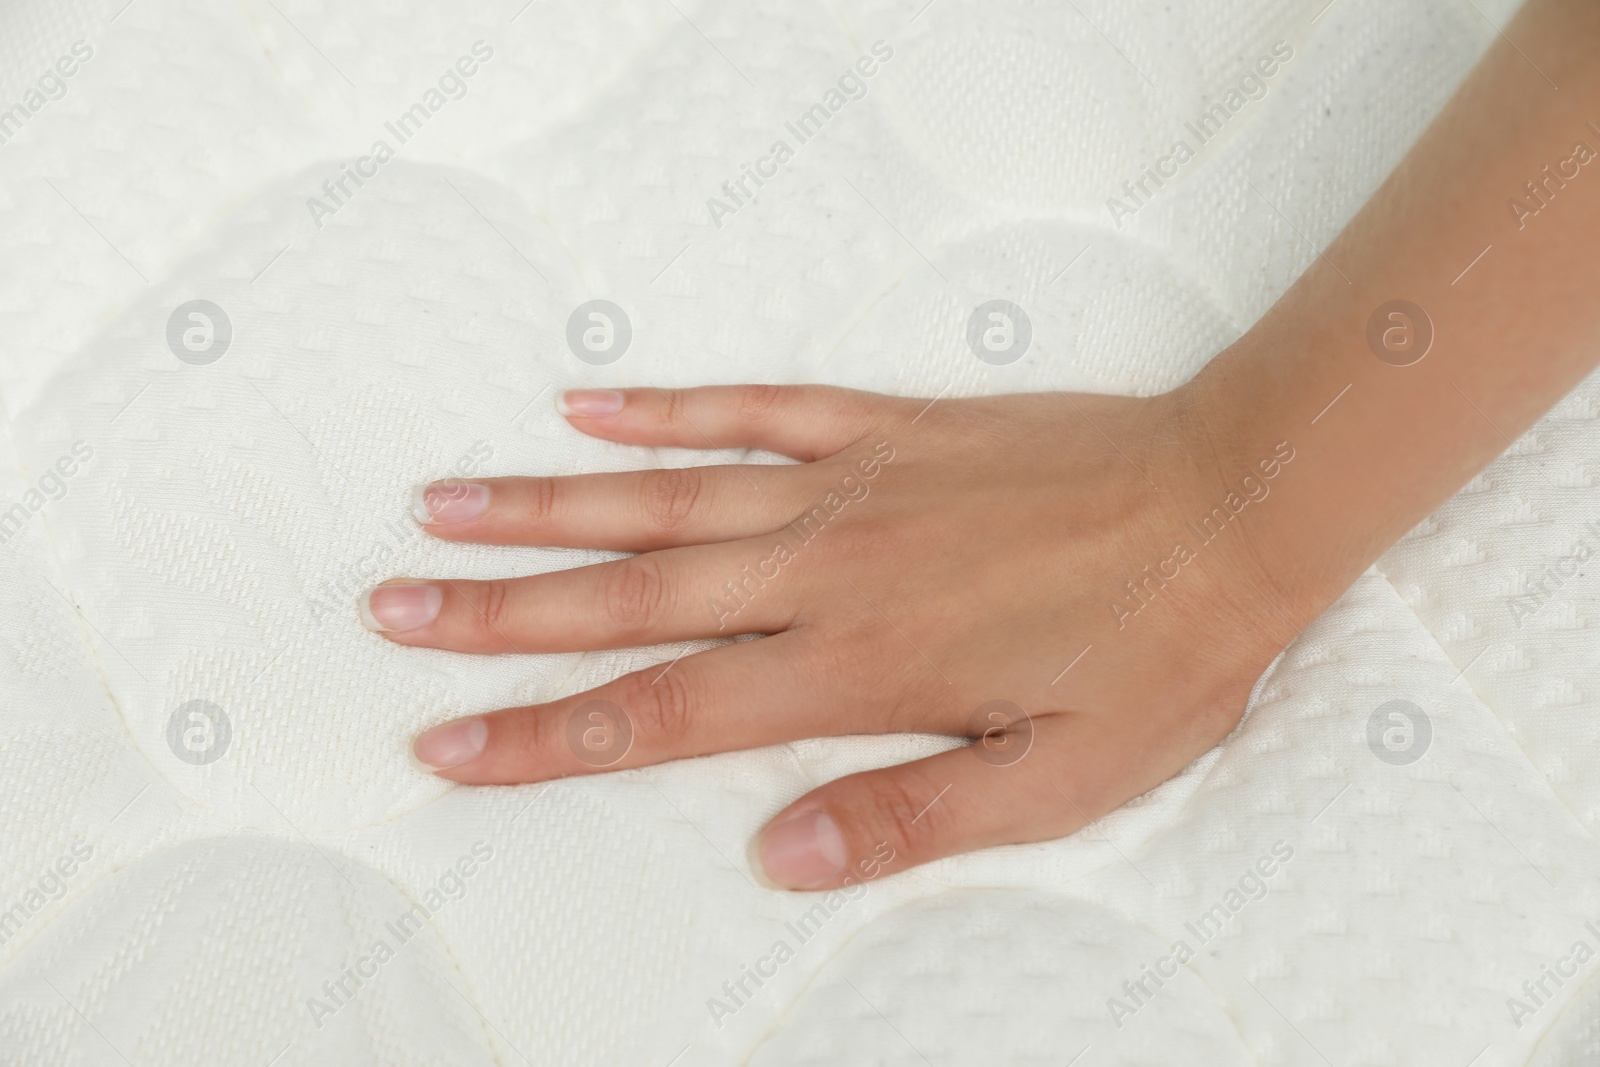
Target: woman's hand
(1117, 572)
(1066, 579)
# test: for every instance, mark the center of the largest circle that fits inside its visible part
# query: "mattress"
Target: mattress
(266, 265)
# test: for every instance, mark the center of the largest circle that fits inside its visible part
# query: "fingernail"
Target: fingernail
(400, 606)
(589, 403)
(804, 852)
(452, 744)
(450, 501)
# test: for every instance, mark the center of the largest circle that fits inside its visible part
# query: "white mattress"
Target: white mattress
(220, 517)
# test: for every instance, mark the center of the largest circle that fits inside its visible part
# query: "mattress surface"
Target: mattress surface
(264, 266)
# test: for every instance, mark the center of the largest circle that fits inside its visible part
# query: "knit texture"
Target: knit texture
(174, 890)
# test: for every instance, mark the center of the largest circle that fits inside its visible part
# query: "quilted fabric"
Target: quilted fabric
(217, 850)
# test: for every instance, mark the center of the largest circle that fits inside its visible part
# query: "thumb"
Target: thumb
(999, 790)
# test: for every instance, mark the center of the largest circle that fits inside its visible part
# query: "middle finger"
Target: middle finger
(672, 595)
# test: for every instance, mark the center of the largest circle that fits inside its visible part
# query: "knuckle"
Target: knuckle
(897, 810)
(634, 593)
(541, 500)
(670, 413)
(536, 737)
(757, 401)
(494, 605)
(662, 709)
(669, 496)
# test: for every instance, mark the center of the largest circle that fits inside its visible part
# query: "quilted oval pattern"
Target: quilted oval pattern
(211, 819)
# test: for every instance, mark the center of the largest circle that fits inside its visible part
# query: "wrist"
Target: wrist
(1302, 529)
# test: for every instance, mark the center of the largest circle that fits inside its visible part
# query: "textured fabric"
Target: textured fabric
(220, 518)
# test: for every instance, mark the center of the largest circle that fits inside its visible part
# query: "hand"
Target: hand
(921, 562)
(1119, 570)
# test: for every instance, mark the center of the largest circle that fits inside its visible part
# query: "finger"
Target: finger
(854, 828)
(739, 696)
(674, 595)
(806, 422)
(635, 511)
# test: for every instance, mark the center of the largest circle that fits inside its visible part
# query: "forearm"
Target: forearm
(1511, 335)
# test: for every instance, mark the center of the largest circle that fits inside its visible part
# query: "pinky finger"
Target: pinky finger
(804, 422)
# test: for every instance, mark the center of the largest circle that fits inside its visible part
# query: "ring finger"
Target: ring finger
(735, 697)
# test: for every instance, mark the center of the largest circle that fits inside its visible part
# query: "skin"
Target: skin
(988, 554)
